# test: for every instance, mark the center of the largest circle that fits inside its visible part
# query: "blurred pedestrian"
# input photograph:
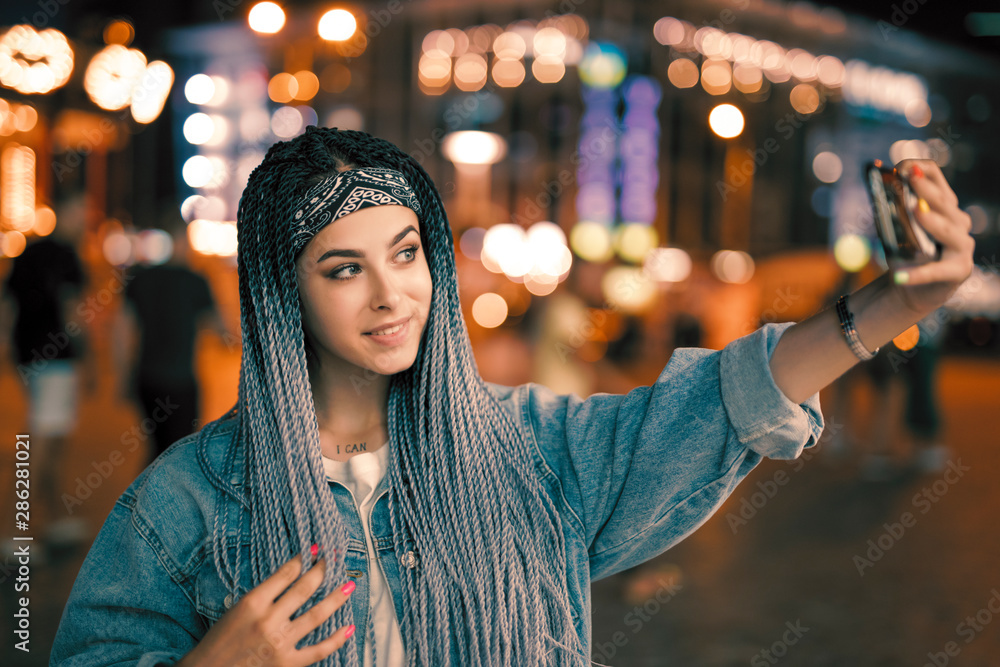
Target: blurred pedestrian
(909, 368)
(883, 451)
(51, 353)
(165, 304)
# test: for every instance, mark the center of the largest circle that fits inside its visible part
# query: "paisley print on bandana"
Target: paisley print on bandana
(347, 192)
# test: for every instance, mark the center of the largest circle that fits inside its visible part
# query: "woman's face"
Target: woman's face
(359, 276)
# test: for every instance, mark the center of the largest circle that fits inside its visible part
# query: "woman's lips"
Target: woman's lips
(391, 339)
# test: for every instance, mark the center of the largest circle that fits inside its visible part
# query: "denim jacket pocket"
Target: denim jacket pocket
(212, 597)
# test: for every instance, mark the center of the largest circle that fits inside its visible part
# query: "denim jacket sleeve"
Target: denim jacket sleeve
(639, 472)
(125, 608)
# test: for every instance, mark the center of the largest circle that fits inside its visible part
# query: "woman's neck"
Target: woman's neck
(349, 401)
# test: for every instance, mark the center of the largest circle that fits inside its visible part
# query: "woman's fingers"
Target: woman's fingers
(955, 262)
(322, 610)
(930, 173)
(936, 199)
(300, 591)
(282, 578)
(950, 231)
(316, 652)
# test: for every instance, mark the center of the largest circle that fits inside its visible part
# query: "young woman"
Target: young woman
(467, 518)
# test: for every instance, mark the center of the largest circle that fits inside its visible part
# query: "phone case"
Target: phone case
(893, 203)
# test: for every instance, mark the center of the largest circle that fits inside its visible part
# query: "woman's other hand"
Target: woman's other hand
(259, 629)
(926, 287)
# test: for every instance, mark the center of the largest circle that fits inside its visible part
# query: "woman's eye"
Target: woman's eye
(340, 273)
(348, 271)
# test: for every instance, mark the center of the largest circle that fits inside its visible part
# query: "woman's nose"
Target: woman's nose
(385, 291)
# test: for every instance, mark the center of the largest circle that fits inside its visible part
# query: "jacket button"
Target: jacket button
(409, 559)
(228, 601)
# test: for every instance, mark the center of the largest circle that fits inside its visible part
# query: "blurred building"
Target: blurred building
(642, 161)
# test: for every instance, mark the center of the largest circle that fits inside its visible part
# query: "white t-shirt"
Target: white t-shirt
(362, 474)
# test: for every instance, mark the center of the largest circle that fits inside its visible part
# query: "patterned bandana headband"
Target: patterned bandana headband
(346, 192)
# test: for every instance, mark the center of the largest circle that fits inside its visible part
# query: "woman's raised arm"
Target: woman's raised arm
(814, 352)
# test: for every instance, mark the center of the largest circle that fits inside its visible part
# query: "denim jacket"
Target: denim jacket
(632, 474)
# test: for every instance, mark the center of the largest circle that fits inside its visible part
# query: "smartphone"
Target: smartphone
(894, 203)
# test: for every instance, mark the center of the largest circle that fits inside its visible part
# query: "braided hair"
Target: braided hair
(490, 581)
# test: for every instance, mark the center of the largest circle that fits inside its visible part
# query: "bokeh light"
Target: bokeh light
(282, 88)
(17, 187)
(591, 241)
(508, 46)
(670, 265)
(918, 113)
(827, 167)
(308, 85)
(603, 65)
(548, 69)
(117, 249)
(440, 44)
(716, 76)
(980, 218)
(112, 75)
(434, 73)
(152, 91)
(197, 171)
(32, 62)
(747, 78)
(627, 288)
(213, 237)
(119, 32)
(470, 72)
(474, 147)
(673, 32)
(12, 243)
(732, 266)
(45, 221)
(683, 73)
(489, 310)
(852, 252)
(198, 128)
(471, 242)
(726, 121)
(908, 339)
(199, 89)
(287, 122)
(804, 98)
(508, 73)
(337, 25)
(154, 246)
(633, 241)
(266, 17)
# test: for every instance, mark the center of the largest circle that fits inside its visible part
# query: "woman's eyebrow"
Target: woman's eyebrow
(336, 252)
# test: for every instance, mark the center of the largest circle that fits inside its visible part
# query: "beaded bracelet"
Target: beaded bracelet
(850, 333)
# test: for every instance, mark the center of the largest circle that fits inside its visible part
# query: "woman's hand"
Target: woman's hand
(259, 629)
(926, 287)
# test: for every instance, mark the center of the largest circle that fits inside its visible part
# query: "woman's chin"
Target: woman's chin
(391, 362)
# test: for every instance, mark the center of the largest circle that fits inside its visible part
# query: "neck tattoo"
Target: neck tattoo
(353, 448)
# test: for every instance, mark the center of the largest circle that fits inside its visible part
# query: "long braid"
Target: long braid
(490, 580)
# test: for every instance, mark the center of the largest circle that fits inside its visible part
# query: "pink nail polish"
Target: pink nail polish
(347, 588)
(350, 631)
(314, 549)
